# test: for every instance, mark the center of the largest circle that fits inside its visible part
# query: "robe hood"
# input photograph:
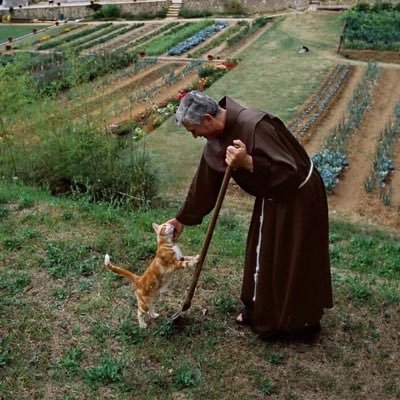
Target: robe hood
(239, 121)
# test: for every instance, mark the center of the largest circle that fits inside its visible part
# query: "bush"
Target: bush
(233, 7)
(108, 11)
(83, 159)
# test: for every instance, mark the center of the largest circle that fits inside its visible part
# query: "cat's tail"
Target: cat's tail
(120, 271)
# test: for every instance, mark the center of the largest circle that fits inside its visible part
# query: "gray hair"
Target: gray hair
(194, 106)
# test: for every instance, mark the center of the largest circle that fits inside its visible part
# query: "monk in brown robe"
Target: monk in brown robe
(287, 280)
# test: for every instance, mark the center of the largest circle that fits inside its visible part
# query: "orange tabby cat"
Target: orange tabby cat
(155, 279)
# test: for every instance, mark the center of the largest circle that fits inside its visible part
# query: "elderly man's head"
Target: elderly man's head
(201, 115)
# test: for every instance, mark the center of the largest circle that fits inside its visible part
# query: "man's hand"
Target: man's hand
(237, 156)
(178, 227)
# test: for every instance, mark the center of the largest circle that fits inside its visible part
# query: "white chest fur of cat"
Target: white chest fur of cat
(154, 280)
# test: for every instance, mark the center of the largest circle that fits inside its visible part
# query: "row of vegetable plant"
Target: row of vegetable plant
(47, 34)
(332, 159)
(196, 39)
(247, 29)
(105, 38)
(146, 37)
(383, 163)
(320, 102)
(212, 44)
(75, 44)
(162, 44)
(86, 68)
(84, 33)
(372, 27)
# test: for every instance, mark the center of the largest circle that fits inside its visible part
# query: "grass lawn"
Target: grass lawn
(16, 31)
(68, 327)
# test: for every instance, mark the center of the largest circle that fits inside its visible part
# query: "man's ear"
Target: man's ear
(208, 118)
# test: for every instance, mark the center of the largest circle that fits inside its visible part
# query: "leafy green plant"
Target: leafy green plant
(70, 362)
(277, 358)
(130, 332)
(107, 371)
(225, 303)
(187, 376)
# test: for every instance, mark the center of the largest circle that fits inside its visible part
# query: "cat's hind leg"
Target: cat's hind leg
(142, 310)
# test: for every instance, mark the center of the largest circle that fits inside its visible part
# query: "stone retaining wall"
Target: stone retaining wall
(77, 11)
(250, 6)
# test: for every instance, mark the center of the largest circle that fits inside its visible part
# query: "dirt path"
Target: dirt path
(350, 194)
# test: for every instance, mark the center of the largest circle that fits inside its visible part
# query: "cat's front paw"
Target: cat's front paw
(194, 260)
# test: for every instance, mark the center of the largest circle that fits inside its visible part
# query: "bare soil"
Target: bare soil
(367, 55)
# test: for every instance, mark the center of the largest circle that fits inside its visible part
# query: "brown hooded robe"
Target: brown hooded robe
(287, 281)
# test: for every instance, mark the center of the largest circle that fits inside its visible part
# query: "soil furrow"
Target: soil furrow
(350, 194)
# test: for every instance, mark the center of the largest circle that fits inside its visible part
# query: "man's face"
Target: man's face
(207, 129)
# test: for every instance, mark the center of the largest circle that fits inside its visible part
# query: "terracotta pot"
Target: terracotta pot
(142, 53)
(8, 47)
(210, 57)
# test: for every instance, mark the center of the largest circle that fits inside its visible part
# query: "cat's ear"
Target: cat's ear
(155, 227)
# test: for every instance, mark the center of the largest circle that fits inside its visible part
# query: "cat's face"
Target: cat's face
(164, 230)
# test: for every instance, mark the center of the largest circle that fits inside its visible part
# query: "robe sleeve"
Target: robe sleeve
(275, 173)
(202, 195)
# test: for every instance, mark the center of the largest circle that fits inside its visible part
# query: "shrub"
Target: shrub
(108, 11)
(83, 159)
(233, 7)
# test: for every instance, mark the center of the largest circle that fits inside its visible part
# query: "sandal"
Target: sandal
(243, 318)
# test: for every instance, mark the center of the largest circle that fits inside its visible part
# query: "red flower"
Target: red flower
(181, 95)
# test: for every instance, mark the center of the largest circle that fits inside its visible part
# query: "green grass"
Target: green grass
(68, 326)
(16, 31)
